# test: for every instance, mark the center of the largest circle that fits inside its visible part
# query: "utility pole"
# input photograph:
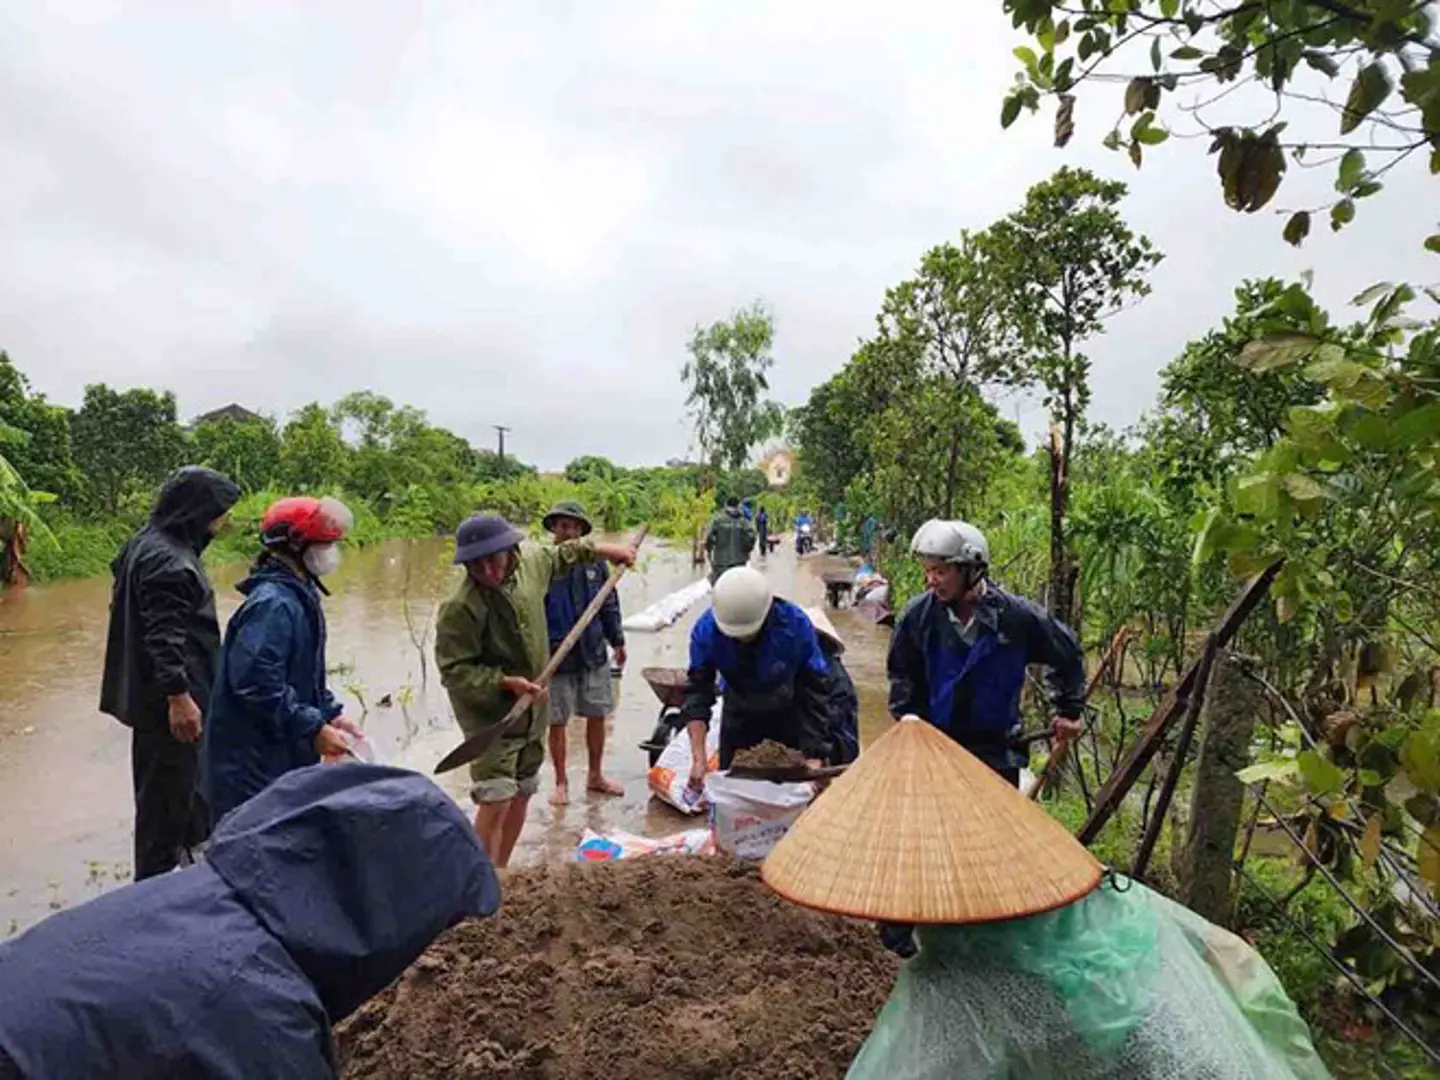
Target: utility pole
(500, 430)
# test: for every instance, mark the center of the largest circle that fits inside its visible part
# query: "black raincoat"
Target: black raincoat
(164, 636)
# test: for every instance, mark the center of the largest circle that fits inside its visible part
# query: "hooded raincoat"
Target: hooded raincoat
(270, 698)
(728, 541)
(163, 631)
(315, 896)
(162, 642)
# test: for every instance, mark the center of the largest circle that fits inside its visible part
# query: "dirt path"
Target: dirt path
(679, 967)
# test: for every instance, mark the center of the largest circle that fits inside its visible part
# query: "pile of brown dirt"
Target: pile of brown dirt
(671, 967)
(768, 755)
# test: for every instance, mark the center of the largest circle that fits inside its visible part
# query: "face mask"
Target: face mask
(322, 559)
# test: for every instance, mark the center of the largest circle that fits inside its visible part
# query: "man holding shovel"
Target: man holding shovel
(492, 641)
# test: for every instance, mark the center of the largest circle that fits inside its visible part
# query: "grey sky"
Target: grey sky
(514, 213)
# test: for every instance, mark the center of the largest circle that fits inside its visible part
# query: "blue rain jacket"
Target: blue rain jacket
(270, 697)
(972, 692)
(314, 896)
(775, 686)
(567, 598)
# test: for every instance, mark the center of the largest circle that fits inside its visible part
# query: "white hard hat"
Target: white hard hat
(956, 542)
(742, 601)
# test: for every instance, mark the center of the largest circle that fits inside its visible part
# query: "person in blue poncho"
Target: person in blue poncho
(313, 897)
(765, 652)
(271, 711)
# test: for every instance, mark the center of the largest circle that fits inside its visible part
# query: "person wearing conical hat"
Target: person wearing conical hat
(764, 651)
(844, 703)
(960, 650)
(1032, 961)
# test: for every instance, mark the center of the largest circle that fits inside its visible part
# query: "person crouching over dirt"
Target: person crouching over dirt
(313, 897)
(844, 703)
(765, 651)
(581, 685)
(491, 642)
(271, 711)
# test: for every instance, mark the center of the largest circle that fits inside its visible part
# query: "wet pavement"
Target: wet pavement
(64, 767)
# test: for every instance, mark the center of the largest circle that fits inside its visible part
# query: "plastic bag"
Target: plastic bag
(1121, 984)
(667, 609)
(670, 775)
(748, 817)
(594, 847)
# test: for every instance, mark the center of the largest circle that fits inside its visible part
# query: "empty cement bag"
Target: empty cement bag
(1122, 983)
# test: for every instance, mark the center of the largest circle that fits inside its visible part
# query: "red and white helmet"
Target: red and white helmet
(300, 521)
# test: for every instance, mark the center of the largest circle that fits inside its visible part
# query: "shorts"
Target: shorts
(580, 693)
(511, 767)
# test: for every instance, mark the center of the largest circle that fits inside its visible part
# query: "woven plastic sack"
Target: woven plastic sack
(1121, 984)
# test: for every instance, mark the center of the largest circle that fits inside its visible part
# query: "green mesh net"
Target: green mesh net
(1124, 983)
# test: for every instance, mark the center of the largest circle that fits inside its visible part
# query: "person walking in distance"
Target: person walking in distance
(160, 656)
(729, 539)
(581, 685)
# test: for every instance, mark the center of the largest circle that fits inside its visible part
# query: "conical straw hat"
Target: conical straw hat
(822, 624)
(918, 830)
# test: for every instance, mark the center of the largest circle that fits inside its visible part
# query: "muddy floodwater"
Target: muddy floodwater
(65, 810)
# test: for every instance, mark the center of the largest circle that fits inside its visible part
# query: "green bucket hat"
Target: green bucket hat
(571, 509)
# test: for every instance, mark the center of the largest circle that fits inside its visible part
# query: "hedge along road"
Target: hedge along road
(65, 798)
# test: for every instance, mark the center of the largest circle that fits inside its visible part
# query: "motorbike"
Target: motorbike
(804, 539)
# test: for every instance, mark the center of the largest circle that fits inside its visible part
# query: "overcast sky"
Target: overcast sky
(515, 213)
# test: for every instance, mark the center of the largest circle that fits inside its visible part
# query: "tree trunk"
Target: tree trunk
(950, 467)
(1231, 706)
(1062, 579)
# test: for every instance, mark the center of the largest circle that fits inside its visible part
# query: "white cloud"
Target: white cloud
(516, 213)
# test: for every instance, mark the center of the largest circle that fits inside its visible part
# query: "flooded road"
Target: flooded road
(65, 809)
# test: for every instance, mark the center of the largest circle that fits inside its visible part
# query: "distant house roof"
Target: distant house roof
(238, 413)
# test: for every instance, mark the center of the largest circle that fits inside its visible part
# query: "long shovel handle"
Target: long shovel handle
(1056, 761)
(476, 746)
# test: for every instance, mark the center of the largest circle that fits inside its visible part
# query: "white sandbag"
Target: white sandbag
(748, 817)
(668, 608)
(594, 847)
(670, 775)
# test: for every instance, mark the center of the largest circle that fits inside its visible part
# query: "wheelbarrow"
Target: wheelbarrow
(838, 584)
(668, 684)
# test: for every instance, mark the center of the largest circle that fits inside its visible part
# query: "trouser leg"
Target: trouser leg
(163, 770)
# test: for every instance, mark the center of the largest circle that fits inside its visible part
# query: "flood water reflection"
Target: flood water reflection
(65, 768)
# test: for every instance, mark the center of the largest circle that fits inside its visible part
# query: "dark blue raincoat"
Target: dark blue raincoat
(270, 698)
(972, 691)
(775, 687)
(314, 896)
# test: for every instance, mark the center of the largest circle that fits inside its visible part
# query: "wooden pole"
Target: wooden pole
(1056, 761)
(1109, 798)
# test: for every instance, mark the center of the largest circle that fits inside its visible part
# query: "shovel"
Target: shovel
(516, 719)
(784, 774)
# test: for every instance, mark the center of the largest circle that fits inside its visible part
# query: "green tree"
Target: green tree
(247, 451)
(1060, 266)
(125, 443)
(951, 324)
(725, 380)
(590, 467)
(313, 456)
(42, 453)
(1177, 57)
